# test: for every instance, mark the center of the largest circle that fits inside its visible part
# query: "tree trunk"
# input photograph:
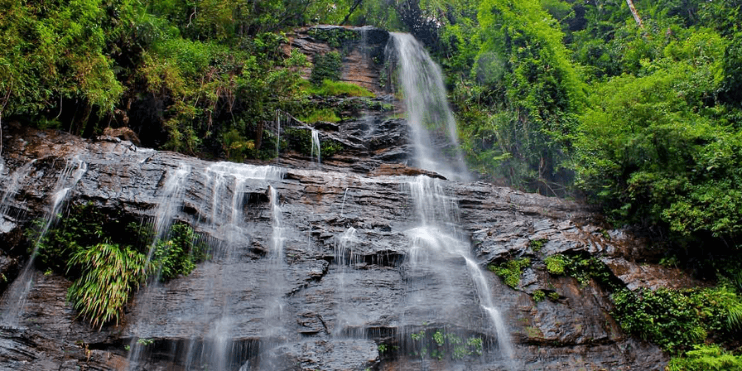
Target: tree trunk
(356, 3)
(635, 13)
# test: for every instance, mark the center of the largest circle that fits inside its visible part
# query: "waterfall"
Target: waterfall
(315, 144)
(427, 107)
(278, 137)
(14, 299)
(437, 246)
(13, 186)
(342, 207)
(210, 323)
(348, 316)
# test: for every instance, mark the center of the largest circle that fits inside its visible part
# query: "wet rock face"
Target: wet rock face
(336, 309)
(321, 275)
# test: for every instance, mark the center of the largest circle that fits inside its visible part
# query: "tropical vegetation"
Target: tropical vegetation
(633, 105)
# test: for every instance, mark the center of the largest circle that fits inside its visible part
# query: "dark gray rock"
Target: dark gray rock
(331, 302)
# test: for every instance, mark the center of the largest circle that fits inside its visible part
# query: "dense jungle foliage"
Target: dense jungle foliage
(639, 112)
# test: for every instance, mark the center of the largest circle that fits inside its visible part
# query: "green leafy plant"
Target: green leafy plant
(107, 262)
(145, 342)
(109, 274)
(675, 320)
(511, 270)
(556, 264)
(178, 254)
(706, 357)
(581, 267)
(538, 296)
(326, 67)
(537, 245)
(330, 88)
(320, 114)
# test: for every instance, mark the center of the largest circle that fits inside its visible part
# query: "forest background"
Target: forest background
(635, 106)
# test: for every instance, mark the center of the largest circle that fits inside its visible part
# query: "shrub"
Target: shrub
(706, 357)
(539, 296)
(581, 268)
(555, 264)
(179, 253)
(330, 88)
(674, 319)
(107, 262)
(326, 67)
(537, 245)
(109, 274)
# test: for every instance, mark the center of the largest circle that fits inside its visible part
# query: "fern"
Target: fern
(734, 317)
(706, 357)
(109, 275)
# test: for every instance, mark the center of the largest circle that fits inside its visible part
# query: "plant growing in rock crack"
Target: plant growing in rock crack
(537, 245)
(440, 344)
(107, 262)
(583, 268)
(511, 270)
(538, 296)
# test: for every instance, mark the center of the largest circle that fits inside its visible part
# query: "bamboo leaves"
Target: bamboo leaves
(110, 274)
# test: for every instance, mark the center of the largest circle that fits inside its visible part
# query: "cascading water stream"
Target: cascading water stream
(14, 299)
(212, 332)
(169, 202)
(342, 207)
(278, 137)
(315, 146)
(427, 107)
(345, 260)
(13, 186)
(436, 244)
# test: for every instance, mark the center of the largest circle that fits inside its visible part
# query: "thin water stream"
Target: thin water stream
(14, 299)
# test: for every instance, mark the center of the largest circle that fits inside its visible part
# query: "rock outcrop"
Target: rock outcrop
(343, 297)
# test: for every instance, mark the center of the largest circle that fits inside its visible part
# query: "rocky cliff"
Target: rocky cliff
(346, 293)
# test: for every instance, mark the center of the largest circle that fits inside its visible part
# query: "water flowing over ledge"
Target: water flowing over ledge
(348, 267)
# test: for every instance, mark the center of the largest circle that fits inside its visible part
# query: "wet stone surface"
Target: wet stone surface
(329, 275)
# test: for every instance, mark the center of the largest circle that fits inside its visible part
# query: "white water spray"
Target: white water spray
(315, 144)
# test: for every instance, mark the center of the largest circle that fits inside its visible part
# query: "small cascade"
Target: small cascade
(14, 299)
(13, 185)
(170, 202)
(366, 53)
(427, 107)
(278, 137)
(435, 256)
(278, 238)
(342, 207)
(211, 327)
(348, 316)
(275, 308)
(315, 144)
